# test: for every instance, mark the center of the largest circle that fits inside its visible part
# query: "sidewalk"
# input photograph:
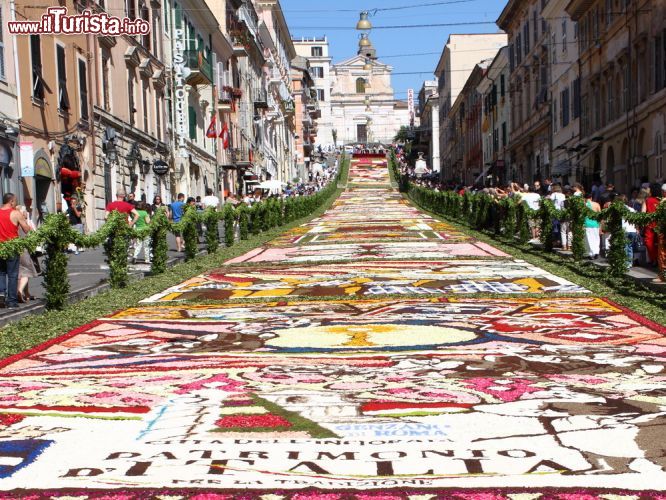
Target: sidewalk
(643, 275)
(88, 273)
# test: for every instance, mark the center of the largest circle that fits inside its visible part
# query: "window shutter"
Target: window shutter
(192, 122)
(83, 88)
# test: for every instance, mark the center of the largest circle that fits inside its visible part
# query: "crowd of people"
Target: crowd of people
(642, 247)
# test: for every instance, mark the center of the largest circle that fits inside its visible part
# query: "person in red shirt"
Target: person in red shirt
(10, 220)
(650, 235)
(120, 205)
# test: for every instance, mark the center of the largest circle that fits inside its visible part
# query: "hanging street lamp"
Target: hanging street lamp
(363, 22)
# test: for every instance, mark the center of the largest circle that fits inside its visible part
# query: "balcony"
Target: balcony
(260, 99)
(225, 99)
(239, 44)
(200, 67)
(313, 109)
(242, 158)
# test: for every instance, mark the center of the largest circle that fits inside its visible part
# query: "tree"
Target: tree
(402, 136)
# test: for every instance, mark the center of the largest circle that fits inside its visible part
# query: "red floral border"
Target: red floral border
(334, 494)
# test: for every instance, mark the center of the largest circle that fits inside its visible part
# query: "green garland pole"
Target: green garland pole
(56, 279)
(159, 227)
(229, 225)
(617, 255)
(576, 211)
(210, 219)
(116, 249)
(189, 231)
(545, 214)
(255, 222)
(523, 223)
(243, 221)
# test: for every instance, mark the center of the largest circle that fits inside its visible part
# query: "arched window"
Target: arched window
(360, 86)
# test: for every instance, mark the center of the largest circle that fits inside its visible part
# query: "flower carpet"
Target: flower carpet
(373, 353)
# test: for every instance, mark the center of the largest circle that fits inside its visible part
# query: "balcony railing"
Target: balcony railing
(241, 157)
(200, 67)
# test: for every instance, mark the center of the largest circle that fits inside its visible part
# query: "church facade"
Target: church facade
(364, 109)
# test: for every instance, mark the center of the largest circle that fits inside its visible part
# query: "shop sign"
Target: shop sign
(180, 96)
(27, 159)
(160, 167)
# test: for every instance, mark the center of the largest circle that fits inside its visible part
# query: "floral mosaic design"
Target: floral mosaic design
(370, 279)
(373, 353)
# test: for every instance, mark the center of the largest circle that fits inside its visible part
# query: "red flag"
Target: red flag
(211, 133)
(224, 135)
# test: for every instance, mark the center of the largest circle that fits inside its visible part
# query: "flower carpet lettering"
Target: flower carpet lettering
(371, 353)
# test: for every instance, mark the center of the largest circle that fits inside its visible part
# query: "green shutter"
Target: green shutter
(179, 16)
(193, 122)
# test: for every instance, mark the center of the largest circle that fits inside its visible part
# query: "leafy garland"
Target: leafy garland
(243, 221)
(229, 225)
(56, 234)
(159, 226)
(210, 219)
(509, 215)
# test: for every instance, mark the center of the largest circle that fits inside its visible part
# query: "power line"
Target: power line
(398, 26)
(382, 9)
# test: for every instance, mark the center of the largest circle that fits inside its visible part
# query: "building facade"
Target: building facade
(307, 114)
(56, 121)
(622, 49)
(452, 71)
(10, 167)
(529, 141)
(316, 50)
(564, 93)
(129, 109)
(464, 152)
(278, 120)
(428, 113)
(496, 124)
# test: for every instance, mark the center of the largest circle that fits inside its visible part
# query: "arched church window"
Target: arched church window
(360, 86)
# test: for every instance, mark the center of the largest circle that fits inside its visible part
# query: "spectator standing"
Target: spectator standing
(210, 200)
(650, 236)
(592, 229)
(142, 243)
(10, 221)
(661, 247)
(631, 232)
(533, 200)
(158, 204)
(75, 216)
(131, 199)
(120, 205)
(27, 267)
(177, 209)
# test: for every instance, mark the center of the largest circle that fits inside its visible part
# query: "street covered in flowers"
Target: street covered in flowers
(373, 348)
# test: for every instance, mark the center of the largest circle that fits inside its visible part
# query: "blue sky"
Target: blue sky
(318, 18)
